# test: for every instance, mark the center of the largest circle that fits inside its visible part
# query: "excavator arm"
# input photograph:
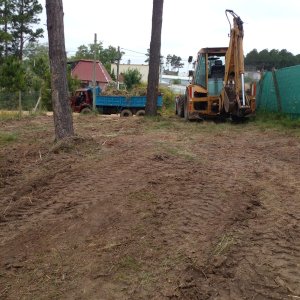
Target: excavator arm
(235, 98)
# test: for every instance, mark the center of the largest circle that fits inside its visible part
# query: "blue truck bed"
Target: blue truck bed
(122, 101)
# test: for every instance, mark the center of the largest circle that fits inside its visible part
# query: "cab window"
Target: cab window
(200, 77)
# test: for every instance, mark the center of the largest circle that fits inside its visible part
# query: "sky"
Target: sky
(187, 25)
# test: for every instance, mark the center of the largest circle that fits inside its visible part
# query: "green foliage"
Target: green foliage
(174, 62)
(132, 77)
(73, 85)
(17, 19)
(113, 76)
(168, 100)
(12, 75)
(148, 57)
(267, 60)
(37, 59)
(110, 55)
(7, 137)
(276, 120)
(176, 81)
(46, 93)
(6, 13)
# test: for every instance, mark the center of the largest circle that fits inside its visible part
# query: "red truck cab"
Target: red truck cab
(82, 101)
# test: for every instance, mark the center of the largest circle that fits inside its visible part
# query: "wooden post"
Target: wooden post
(20, 103)
(40, 103)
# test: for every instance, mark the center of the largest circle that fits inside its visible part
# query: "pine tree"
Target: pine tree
(26, 15)
(63, 121)
(7, 9)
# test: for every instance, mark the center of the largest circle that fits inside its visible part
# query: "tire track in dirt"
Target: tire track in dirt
(149, 220)
(263, 262)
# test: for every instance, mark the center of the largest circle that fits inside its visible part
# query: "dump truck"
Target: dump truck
(82, 102)
(217, 87)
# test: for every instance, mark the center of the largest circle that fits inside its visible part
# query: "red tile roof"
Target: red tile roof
(83, 70)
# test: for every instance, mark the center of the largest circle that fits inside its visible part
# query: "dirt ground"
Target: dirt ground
(149, 209)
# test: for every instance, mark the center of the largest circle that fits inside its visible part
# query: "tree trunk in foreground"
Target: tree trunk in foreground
(62, 114)
(154, 59)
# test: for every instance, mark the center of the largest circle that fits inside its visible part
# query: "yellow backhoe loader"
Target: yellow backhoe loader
(217, 88)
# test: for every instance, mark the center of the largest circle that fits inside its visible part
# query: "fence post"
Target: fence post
(278, 98)
(40, 103)
(20, 103)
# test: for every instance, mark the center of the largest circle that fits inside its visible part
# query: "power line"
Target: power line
(133, 51)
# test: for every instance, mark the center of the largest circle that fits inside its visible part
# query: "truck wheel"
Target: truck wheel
(126, 113)
(86, 110)
(140, 113)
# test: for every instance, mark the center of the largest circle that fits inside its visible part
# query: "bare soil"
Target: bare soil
(149, 209)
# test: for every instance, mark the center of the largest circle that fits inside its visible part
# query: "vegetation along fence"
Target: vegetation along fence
(279, 91)
(19, 101)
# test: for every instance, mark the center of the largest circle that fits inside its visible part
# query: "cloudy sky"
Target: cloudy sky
(187, 25)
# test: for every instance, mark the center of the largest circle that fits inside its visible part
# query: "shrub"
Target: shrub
(168, 100)
(132, 77)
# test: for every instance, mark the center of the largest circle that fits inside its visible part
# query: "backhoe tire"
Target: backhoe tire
(186, 112)
(140, 113)
(86, 111)
(126, 113)
(180, 108)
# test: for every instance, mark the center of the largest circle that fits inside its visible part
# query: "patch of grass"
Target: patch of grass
(129, 263)
(9, 115)
(142, 196)
(176, 151)
(6, 138)
(277, 121)
(6, 115)
(224, 244)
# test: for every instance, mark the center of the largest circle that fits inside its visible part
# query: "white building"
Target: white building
(143, 69)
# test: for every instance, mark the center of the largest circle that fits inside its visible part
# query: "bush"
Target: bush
(132, 77)
(168, 100)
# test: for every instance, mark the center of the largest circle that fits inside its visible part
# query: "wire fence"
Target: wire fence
(19, 101)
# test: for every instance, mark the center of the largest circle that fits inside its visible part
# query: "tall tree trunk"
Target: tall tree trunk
(63, 121)
(154, 59)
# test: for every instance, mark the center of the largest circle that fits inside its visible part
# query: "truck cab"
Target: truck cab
(82, 101)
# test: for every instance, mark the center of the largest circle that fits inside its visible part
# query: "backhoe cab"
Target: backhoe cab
(218, 86)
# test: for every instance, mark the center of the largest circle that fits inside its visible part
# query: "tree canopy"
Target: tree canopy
(174, 61)
(274, 58)
(17, 21)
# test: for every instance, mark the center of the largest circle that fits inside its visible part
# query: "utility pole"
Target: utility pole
(94, 73)
(118, 67)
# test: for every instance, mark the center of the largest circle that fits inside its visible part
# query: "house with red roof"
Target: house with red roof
(83, 70)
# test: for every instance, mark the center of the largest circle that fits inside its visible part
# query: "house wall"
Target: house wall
(143, 69)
